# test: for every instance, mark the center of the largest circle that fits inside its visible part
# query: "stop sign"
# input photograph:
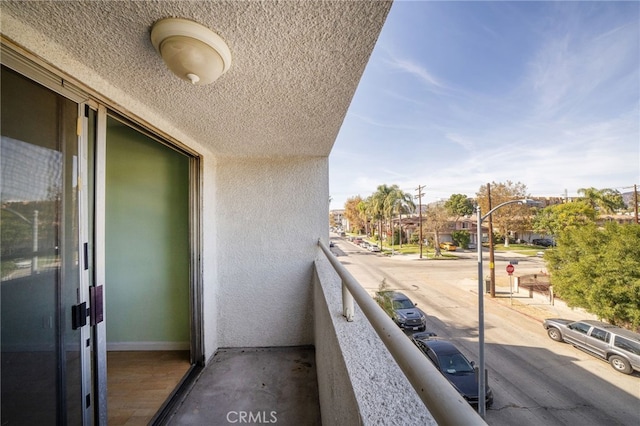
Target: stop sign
(510, 269)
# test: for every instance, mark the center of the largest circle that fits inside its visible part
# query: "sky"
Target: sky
(460, 94)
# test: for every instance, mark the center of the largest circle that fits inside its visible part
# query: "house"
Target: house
(124, 194)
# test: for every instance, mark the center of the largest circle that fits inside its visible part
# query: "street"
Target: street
(535, 380)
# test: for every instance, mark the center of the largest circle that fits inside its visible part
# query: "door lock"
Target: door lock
(79, 315)
(97, 304)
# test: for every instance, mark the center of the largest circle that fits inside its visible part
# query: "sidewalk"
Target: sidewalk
(538, 307)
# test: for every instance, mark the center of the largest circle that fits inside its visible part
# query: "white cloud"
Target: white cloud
(413, 68)
(467, 144)
(570, 121)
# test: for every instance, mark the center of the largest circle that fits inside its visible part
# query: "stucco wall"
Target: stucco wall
(261, 219)
(270, 214)
(338, 405)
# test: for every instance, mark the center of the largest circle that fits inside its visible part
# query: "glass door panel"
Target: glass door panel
(39, 256)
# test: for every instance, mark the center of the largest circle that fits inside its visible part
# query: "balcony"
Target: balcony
(350, 377)
(254, 385)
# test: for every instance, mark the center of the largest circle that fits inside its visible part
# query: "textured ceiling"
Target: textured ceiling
(296, 65)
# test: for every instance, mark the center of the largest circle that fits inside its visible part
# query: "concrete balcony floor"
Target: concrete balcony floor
(254, 385)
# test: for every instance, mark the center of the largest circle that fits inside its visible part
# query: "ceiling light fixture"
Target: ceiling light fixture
(191, 51)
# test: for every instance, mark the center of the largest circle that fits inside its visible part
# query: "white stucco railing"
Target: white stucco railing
(444, 403)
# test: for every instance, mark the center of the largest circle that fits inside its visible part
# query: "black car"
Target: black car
(544, 242)
(402, 310)
(453, 365)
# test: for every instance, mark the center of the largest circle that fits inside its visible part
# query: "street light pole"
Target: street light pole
(481, 372)
(482, 389)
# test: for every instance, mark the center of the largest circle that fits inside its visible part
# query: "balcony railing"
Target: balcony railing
(444, 403)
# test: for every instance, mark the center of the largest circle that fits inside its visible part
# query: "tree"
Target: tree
(459, 205)
(598, 269)
(377, 205)
(437, 222)
(553, 219)
(385, 202)
(353, 214)
(363, 211)
(513, 217)
(605, 200)
(398, 202)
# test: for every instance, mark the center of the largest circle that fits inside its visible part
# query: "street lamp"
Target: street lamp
(482, 391)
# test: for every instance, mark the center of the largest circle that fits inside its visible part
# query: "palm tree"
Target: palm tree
(378, 205)
(363, 212)
(386, 201)
(398, 202)
(605, 200)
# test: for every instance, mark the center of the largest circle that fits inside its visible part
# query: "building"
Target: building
(337, 219)
(124, 194)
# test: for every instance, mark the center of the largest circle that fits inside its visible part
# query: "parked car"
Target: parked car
(453, 365)
(544, 242)
(402, 310)
(374, 248)
(619, 346)
(448, 246)
(22, 263)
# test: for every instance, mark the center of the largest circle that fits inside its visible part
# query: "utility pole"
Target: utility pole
(635, 201)
(492, 266)
(419, 196)
(400, 225)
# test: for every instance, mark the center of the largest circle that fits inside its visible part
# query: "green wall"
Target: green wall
(147, 239)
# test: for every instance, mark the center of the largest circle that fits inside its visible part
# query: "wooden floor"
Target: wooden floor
(138, 383)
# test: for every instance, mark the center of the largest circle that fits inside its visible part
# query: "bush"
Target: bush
(599, 269)
(415, 238)
(461, 238)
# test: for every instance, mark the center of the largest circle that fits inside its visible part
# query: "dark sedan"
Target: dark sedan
(453, 365)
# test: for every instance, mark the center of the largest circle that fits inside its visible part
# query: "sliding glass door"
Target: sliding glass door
(98, 252)
(44, 305)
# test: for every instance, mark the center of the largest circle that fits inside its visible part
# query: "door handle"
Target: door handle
(79, 315)
(96, 294)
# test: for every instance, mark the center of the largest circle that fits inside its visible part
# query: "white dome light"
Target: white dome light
(191, 51)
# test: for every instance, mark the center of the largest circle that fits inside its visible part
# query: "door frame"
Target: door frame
(94, 381)
(196, 346)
